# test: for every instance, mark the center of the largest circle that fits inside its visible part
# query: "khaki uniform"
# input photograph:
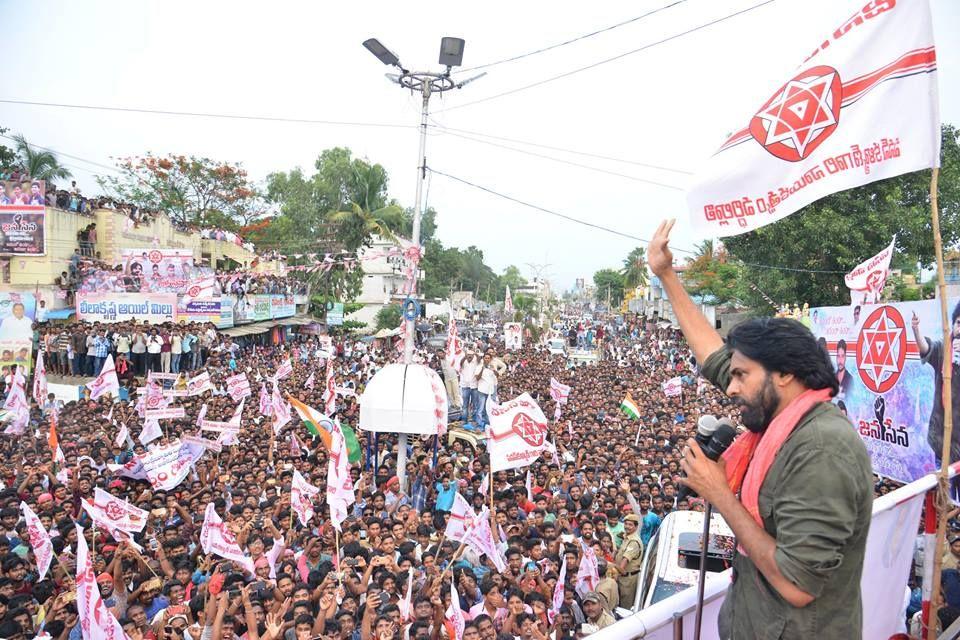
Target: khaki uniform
(632, 551)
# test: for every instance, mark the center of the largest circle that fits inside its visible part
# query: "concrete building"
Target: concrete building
(383, 280)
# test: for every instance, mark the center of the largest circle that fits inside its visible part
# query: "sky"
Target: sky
(659, 112)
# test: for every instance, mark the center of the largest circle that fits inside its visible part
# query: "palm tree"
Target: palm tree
(706, 251)
(635, 269)
(356, 226)
(39, 164)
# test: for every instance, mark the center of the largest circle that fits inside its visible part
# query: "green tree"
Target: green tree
(609, 282)
(357, 226)
(388, 317)
(190, 189)
(635, 269)
(39, 164)
(827, 238)
(8, 157)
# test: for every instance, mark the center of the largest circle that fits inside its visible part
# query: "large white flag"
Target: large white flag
(218, 539)
(301, 497)
(480, 538)
(588, 576)
(862, 107)
(517, 433)
(199, 383)
(454, 352)
(238, 386)
(97, 622)
(508, 302)
(284, 370)
(455, 618)
(166, 467)
(40, 381)
(672, 387)
(339, 483)
(203, 287)
(111, 512)
(281, 409)
(16, 403)
(106, 382)
(39, 539)
(868, 278)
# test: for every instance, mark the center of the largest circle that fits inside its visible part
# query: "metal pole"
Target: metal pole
(702, 578)
(417, 214)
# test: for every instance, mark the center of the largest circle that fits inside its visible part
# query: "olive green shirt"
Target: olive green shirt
(816, 501)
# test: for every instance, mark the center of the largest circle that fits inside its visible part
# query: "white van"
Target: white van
(671, 561)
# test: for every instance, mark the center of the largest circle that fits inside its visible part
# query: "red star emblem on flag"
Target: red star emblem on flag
(801, 115)
(882, 349)
(529, 429)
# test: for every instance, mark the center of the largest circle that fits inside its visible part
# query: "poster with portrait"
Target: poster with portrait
(22, 218)
(162, 270)
(17, 313)
(513, 335)
(888, 359)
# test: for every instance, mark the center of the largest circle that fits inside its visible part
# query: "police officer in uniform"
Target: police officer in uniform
(628, 560)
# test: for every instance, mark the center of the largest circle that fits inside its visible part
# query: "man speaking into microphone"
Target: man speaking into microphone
(796, 488)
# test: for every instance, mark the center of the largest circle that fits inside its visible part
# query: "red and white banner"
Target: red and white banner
(284, 370)
(461, 518)
(559, 391)
(199, 383)
(862, 107)
(166, 413)
(517, 433)
(868, 278)
(115, 516)
(217, 539)
(301, 497)
(558, 589)
(454, 351)
(16, 403)
(239, 387)
(40, 381)
(672, 387)
(588, 576)
(218, 426)
(106, 382)
(339, 483)
(39, 539)
(166, 467)
(201, 288)
(212, 445)
(97, 622)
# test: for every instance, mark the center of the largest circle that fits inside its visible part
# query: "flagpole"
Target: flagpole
(336, 540)
(943, 491)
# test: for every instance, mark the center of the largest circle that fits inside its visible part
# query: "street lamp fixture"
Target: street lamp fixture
(383, 54)
(451, 52)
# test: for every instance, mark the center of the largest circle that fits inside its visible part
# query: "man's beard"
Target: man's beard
(756, 413)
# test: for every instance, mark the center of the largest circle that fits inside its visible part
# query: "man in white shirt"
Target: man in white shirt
(468, 387)
(486, 387)
(16, 326)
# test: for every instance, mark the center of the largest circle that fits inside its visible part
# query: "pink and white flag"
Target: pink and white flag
(151, 431)
(203, 287)
(558, 590)
(559, 391)
(281, 410)
(517, 433)
(461, 518)
(166, 467)
(454, 351)
(122, 436)
(339, 482)
(309, 383)
(106, 382)
(284, 370)
(114, 513)
(479, 537)
(97, 622)
(16, 403)
(406, 603)
(40, 381)
(39, 539)
(868, 278)
(301, 497)
(672, 387)
(330, 390)
(201, 416)
(454, 614)
(266, 406)
(862, 107)
(199, 383)
(217, 539)
(588, 576)
(238, 387)
(508, 302)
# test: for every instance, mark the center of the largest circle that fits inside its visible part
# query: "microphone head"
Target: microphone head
(706, 425)
(722, 438)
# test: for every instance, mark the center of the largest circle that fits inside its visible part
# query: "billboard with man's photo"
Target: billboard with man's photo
(22, 218)
(17, 313)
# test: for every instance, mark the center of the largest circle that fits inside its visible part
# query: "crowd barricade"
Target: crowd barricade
(889, 560)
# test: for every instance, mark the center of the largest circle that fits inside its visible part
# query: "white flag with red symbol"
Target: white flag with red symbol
(558, 589)
(588, 576)
(301, 497)
(455, 352)
(199, 383)
(456, 623)
(266, 406)
(283, 370)
(16, 403)
(339, 482)
(281, 409)
(39, 539)
(201, 288)
(96, 621)
(461, 518)
(310, 381)
(673, 387)
(40, 381)
(238, 386)
(508, 302)
(216, 538)
(479, 537)
(517, 433)
(330, 390)
(862, 107)
(868, 278)
(111, 512)
(106, 382)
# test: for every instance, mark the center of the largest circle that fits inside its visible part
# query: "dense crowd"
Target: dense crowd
(603, 496)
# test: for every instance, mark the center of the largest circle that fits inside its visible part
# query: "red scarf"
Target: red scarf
(751, 455)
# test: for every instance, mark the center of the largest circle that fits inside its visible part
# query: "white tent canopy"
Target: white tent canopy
(403, 398)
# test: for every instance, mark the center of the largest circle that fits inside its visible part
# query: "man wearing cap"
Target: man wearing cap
(951, 557)
(628, 560)
(595, 611)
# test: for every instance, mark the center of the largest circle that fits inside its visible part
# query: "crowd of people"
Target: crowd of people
(388, 575)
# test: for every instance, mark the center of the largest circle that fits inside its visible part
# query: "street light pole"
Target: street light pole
(427, 83)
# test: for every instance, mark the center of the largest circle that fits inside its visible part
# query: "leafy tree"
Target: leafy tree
(710, 273)
(609, 281)
(191, 190)
(8, 157)
(39, 164)
(635, 269)
(388, 317)
(357, 226)
(837, 232)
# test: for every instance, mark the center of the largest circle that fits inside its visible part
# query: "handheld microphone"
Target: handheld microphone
(706, 425)
(723, 437)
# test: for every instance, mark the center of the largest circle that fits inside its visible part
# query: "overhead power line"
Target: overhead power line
(572, 40)
(566, 162)
(225, 116)
(607, 60)
(603, 228)
(443, 128)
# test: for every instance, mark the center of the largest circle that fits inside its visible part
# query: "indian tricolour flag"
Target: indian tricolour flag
(629, 407)
(316, 423)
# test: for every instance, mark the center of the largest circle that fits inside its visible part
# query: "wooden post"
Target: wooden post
(943, 493)
(337, 544)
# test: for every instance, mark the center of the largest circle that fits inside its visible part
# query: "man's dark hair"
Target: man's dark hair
(784, 345)
(956, 313)
(841, 344)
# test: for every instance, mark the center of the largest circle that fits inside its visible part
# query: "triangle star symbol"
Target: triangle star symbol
(800, 113)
